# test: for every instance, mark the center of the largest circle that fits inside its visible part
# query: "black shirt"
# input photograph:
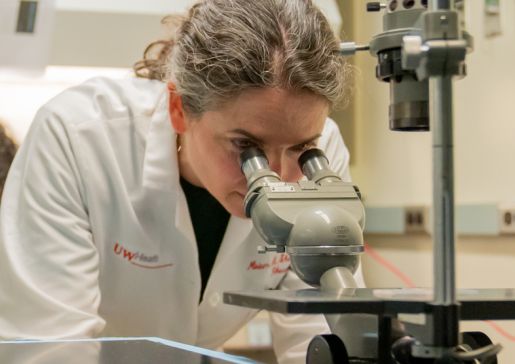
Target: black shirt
(209, 219)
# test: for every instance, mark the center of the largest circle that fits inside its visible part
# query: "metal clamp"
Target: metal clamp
(263, 249)
(325, 250)
(350, 48)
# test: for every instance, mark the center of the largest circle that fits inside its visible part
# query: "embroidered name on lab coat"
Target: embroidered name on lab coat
(139, 259)
(280, 264)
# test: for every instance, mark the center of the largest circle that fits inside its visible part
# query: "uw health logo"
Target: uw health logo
(138, 258)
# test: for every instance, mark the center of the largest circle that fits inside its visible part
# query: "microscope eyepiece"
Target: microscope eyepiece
(315, 166)
(310, 154)
(254, 165)
(253, 159)
(249, 153)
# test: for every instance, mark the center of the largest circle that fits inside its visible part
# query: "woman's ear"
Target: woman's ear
(176, 110)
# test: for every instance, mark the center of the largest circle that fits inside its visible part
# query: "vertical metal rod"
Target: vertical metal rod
(443, 190)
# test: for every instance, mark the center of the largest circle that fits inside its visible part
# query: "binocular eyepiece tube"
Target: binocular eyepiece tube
(253, 160)
(312, 162)
(315, 166)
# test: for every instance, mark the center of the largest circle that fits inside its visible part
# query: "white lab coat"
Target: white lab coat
(96, 238)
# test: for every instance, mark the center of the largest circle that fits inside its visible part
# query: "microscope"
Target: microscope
(319, 221)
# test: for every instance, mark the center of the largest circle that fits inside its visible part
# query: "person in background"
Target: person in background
(8, 148)
(123, 213)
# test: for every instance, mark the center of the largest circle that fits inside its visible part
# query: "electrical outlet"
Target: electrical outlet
(416, 219)
(507, 220)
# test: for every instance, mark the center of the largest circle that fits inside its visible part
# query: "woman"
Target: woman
(124, 208)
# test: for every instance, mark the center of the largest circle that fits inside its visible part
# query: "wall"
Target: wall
(484, 125)
(394, 169)
(121, 31)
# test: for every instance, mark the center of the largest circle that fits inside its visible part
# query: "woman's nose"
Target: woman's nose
(285, 167)
(275, 163)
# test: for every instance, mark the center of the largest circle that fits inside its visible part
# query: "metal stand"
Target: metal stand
(419, 49)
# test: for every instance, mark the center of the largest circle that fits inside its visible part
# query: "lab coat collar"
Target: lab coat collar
(161, 172)
(160, 165)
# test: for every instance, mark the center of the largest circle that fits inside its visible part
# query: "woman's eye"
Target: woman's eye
(243, 143)
(303, 147)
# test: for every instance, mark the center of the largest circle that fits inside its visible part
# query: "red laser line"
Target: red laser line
(392, 268)
(500, 330)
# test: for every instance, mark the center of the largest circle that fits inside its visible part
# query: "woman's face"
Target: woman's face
(282, 123)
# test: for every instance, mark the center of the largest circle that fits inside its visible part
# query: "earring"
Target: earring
(178, 143)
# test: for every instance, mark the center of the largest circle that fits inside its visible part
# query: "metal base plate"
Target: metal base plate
(476, 304)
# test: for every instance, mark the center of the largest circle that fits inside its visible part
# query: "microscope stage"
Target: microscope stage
(475, 304)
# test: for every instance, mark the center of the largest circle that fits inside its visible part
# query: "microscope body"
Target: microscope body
(319, 223)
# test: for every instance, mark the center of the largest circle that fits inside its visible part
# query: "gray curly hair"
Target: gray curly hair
(223, 47)
(8, 149)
